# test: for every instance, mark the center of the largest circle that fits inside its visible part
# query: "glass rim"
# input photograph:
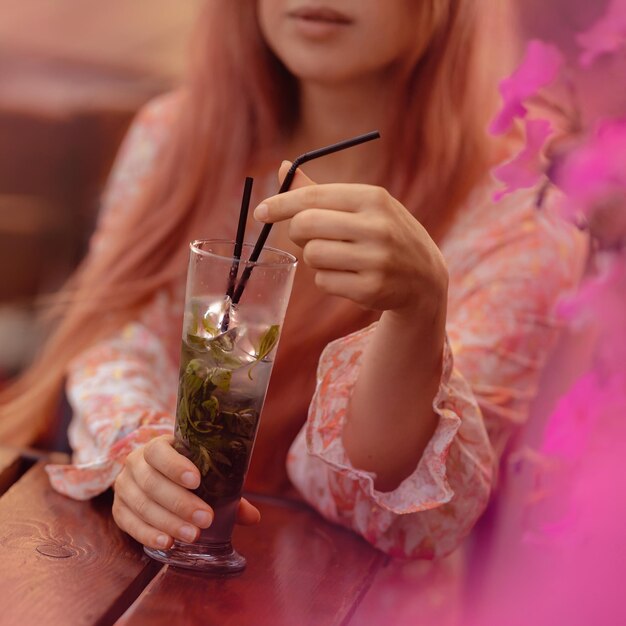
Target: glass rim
(194, 246)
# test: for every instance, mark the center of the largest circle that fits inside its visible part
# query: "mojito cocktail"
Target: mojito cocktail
(226, 361)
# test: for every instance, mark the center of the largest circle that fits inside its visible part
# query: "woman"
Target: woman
(399, 445)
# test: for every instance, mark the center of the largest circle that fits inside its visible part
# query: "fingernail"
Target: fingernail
(202, 518)
(261, 212)
(189, 479)
(188, 533)
(162, 541)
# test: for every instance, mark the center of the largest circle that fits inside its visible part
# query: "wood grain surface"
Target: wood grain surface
(301, 570)
(64, 562)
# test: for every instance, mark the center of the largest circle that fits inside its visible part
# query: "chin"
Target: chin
(322, 68)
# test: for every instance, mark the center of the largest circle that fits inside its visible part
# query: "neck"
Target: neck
(330, 113)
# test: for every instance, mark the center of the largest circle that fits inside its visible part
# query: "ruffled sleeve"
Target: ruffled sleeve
(123, 394)
(506, 273)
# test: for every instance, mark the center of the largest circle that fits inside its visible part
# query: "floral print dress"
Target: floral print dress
(508, 265)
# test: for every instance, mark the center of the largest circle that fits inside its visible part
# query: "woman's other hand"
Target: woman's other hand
(366, 246)
(362, 242)
(153, 502)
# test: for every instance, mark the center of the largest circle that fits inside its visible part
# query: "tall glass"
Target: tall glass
(226, 361)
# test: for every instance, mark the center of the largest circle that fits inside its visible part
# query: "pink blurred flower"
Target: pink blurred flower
(593, 178)
(600, 302)
(567, 433)
(527, 168)
(607, 35)
(540, 67)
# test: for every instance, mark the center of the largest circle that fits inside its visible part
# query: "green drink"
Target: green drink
(223, 380)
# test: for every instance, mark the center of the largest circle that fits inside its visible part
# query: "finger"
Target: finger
(322, 254)
(299, 180)
(138, 529)
(322, 224)
(247, 514)
(153, 514)
(352, 285)
(348, 197)
(181, 502)
(160, 454)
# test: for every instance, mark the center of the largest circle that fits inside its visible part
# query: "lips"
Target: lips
(320, 14)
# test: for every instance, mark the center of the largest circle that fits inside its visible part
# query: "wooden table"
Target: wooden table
(65, 562)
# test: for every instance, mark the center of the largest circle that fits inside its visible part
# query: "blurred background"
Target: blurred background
(72, 75)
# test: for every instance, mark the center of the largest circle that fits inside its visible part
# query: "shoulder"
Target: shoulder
(150, 130)
(514, 238)
(146, 139)
(158, 114)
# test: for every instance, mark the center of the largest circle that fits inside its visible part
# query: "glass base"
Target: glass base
(219, 559)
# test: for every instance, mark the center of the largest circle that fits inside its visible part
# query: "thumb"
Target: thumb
(299, 180)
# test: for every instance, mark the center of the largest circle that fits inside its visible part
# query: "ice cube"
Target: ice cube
(205, 316)
(226, 342)
(219, 312)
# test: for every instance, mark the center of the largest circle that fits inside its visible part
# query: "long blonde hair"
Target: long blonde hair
(238, 101)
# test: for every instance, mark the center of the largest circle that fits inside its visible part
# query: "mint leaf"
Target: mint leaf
(221, 378)
(268, 342)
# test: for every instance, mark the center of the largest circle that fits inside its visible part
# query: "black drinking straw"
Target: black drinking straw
(303, 158)
(241, 231)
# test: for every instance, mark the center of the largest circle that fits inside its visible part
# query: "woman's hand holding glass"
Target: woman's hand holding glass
(153, 502)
